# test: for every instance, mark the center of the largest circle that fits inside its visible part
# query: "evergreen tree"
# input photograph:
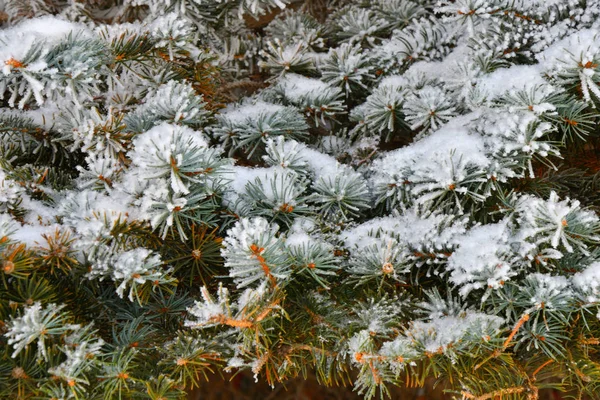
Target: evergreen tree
(377, 193)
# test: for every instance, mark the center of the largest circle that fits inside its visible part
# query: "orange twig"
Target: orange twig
(506, 343)
(256, 252)
(518, 326)
(267, 310)
(590, 341)
(236, 323)
(496, 394)
(541, 367)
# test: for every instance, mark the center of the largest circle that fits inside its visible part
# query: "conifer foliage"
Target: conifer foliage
(374, 192)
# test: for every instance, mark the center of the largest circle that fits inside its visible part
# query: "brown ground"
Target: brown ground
(243, 387)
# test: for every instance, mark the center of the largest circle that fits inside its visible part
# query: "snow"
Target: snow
(438, 335)
(33, 325)
(299, 156)
(580, 60)
(164, 150)
(46, 117)
(298, 236)
(549, 292)
(319, 163)
(443, 69)
(434, 163)
(297, 86)
(569, 52)
(173, 100)
(17, 42)
(294, 156)
(409, 230)
(516, 77)
(252, 296)
(204, 312)
(243, 175)
(238, 114)
(428, 107)
(587, 282)
(453, 136)
(395, 82)
(550, 220)
(137, 265)
(8, 226)
(33, 236)
(253, 252)
(10, 191)
(469, 119)
(77, 206)
(158, 142)
(479, 260)
(81, 346)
